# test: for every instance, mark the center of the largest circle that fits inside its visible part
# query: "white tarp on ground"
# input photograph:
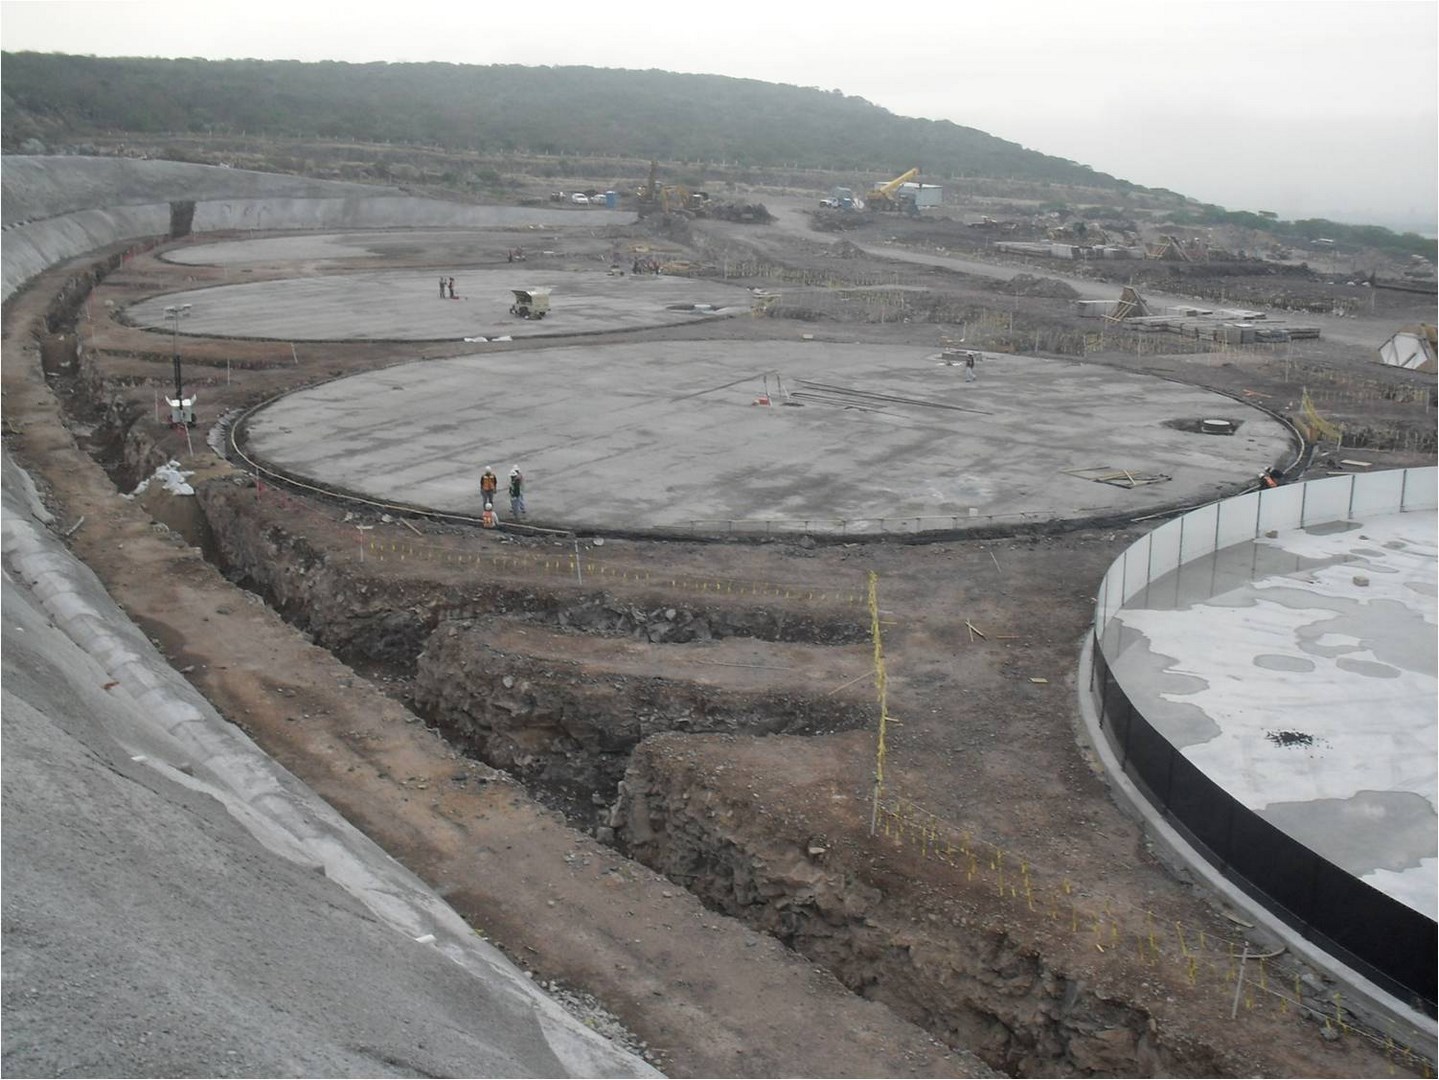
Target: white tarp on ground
(1412, 348)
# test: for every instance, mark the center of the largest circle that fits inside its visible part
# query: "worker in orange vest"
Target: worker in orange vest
(489, 486)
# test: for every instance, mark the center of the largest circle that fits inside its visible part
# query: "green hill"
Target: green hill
(540, 110)
(316, 117)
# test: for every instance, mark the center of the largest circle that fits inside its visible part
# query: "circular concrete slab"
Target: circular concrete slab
(406, 305)
(564, 235)
(666, 435)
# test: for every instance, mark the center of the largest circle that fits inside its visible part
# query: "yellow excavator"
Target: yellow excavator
(667, 197)
(886, 196)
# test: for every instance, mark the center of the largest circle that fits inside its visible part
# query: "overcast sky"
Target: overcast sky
(1305, 108)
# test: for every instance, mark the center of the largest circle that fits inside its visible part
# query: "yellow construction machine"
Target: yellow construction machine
(678, 197)
(886, 196)
(668, 198)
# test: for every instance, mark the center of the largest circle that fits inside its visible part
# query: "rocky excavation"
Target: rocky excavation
(726, 744)
(616, 751)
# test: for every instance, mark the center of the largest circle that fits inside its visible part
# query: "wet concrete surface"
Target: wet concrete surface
(1305, 686)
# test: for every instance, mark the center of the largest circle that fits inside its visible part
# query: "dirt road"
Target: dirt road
(1364, 333)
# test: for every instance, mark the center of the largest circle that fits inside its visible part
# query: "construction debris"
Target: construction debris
(1233, 326)
(1173, 249)
(1413, 347)
(1043, 287)
(1130, 306)
(1049, 249)
(1125, 478)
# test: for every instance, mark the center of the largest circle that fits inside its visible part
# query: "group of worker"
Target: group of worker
(489, 489)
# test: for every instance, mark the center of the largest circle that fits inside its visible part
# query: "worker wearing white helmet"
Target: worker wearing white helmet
(517, 492)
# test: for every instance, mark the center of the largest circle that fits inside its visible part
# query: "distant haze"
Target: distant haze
(1306, 109)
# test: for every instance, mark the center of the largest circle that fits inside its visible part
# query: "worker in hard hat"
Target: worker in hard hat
(517, 492)
(489, 485)
(487, 519)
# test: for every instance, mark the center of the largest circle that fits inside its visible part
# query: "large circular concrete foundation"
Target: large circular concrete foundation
(856, 439)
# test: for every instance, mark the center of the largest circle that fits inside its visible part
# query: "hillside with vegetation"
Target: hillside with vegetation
(474, 131)
(537, 110)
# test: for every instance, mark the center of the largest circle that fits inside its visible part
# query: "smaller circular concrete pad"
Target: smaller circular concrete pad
(407, 306)
(326, 249)
(550, 232)
(640, 436)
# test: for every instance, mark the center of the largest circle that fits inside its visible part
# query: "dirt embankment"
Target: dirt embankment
(558, 686)
(564, 695)
(485, 663)
(569, 727)
(371, 614)
(942, 960)
(488, 665)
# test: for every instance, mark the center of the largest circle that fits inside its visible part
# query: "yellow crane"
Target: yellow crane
(885, 196)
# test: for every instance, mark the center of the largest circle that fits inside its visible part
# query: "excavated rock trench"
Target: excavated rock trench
(978, 988)
(571, 731)
(589, 739)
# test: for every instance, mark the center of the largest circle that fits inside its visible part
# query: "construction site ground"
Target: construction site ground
(993, 903)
